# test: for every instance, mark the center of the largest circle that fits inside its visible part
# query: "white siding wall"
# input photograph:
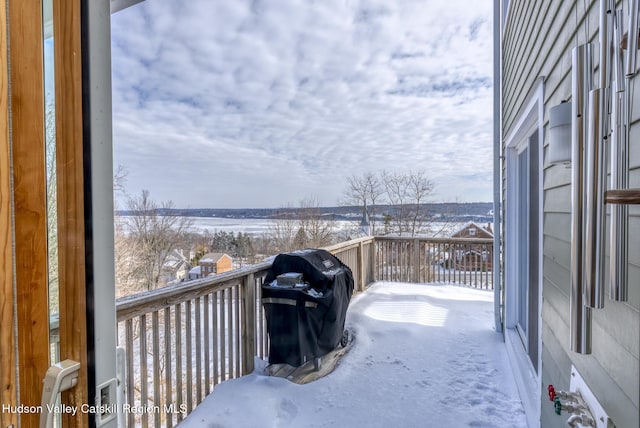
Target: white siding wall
(537, 42)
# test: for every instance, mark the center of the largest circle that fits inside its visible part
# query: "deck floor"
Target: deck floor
(424, 356)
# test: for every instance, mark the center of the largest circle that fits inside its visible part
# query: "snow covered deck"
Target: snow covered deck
(424, 355)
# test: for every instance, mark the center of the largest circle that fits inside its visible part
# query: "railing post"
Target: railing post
(415, 272)
(373, 260)
(361, 267)
(249, 321)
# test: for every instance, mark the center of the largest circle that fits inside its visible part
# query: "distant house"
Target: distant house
(182, 272)
(470, 256)
(473, 230)
(214, 263)
(177, 266)
(195, 273)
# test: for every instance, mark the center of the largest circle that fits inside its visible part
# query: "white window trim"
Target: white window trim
(528, 381)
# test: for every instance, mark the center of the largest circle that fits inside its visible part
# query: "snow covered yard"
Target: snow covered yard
(424, 356)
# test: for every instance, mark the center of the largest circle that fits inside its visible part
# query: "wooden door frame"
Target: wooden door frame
(8, 390)
(70, 169)
(29, 200)
(23, 190)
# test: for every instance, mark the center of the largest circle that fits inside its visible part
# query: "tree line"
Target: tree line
(151, 244)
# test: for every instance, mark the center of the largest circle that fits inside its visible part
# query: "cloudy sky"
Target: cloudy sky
(263, 103)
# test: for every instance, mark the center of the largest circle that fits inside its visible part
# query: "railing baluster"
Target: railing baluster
(264, 341)
(143, 368)
(385, 263)
(449, 260)
(216, 334)
(236, 305)
(179, 396)
(393, 259)
(248, 320)
(457, 271)
(474, 266)
(155, 334)
(428, 261)
(130, 374)
(188, 313)
(198, 352)
(397, 262)
(223, 341)
(401, 262)
(449, 263)
(435, 256)
(230, 360)
(207, 357)
(446, 260)
(440, 262)
(168, 360)
(379, 266)
(409, 250)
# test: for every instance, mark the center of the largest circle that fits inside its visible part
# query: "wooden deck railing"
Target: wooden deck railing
(181, 341)
(465, 261)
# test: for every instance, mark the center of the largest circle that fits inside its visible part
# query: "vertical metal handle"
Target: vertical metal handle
(593, 203)
(618, 240)
(581, 80)
(605, 37)
(632, 39)
(617, 64)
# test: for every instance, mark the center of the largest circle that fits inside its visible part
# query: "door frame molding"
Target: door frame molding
(530, 118)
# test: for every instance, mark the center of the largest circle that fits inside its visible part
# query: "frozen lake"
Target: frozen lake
(259, 227)
(251, 226)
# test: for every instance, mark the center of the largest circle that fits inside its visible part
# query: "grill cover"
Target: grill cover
(306, 321)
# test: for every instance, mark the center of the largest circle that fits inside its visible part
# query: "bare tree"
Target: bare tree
(356, 192)
(282, 231)
(127, 256)
(52, 206)
(318, 230)
(119, 181)
(366, 190)
(397, 187)
(407, 193)
(420, 187)
(126, 252)
(153, 233)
